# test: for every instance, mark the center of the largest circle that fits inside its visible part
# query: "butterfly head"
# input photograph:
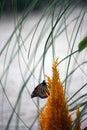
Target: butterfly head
(44, 83)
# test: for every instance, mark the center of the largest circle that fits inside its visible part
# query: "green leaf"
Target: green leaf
(82, 45)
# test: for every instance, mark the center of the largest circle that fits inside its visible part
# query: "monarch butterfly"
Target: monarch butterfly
(41, 90)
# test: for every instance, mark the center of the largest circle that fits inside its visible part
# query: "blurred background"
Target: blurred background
(20, 5)
(33, 33)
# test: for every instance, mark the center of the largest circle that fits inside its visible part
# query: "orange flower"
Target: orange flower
(77, 121)
(55, 116)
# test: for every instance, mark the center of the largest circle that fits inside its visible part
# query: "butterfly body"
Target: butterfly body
(41, 90)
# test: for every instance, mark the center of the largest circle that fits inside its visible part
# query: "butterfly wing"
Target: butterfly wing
(43, 91)
(35, 92)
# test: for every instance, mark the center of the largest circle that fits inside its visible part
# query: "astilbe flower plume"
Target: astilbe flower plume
(55, 115)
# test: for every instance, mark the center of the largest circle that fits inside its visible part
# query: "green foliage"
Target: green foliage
(83, 44)
(34, 51)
